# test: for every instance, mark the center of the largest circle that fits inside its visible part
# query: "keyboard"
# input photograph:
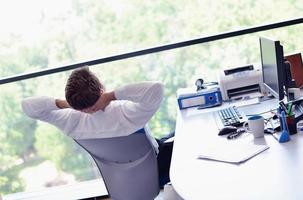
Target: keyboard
(232, 116)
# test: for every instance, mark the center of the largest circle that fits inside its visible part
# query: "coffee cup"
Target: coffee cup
(255, 125)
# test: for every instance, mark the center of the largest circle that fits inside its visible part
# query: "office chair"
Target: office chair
(127, 164)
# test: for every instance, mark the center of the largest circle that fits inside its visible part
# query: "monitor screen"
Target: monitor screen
(272, 61)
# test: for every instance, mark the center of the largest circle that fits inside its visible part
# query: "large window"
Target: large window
(41, 34)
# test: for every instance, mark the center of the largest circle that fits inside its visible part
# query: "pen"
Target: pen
(289, 111)
(283, 106)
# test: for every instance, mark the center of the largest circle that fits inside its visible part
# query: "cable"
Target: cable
(235, 135)
(271, 110)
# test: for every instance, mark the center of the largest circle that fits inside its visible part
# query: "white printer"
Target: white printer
(245, 81)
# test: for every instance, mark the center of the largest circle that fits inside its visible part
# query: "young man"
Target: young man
(91, 112)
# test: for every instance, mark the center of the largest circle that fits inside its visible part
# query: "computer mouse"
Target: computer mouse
(227, 130)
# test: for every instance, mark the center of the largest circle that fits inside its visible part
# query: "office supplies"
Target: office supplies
(272, 124)
(199, 83)
(203, 98)
(230, 116)
(297, 109)
(283, 106)
(227, 130)
(296, 68)
(284, 137)
(291, 124)
(240, 82)
(235, 134)
(291, 120)
(289, 109)
(300, 126)
(232, 152)
(281, 162)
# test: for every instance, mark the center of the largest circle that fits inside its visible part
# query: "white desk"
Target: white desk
(276, 173)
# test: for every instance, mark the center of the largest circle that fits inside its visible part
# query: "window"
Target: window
(37, 35)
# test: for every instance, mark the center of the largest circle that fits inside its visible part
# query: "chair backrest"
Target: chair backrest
(127, 164)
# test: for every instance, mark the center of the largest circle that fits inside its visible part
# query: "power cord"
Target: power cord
(236, 134)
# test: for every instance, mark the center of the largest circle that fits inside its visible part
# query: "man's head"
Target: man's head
(82, 89)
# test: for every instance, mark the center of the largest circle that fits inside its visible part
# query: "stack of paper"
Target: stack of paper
(232, 152)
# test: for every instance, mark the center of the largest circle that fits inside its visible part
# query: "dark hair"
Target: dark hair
(82, 89)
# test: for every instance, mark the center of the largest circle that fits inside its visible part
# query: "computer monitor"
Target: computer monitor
(272, 60)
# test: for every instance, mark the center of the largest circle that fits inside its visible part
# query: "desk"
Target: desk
(276, 173)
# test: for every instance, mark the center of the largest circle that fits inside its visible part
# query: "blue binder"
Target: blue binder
(208, 97)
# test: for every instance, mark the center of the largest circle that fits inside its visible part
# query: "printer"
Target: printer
(241, 82)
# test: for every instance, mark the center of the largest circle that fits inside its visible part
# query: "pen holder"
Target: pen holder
(291, 123)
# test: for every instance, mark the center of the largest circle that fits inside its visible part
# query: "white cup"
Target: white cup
(255, 126)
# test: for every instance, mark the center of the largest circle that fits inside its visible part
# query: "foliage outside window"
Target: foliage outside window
(38, 35)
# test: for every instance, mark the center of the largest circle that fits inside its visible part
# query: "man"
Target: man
(91, 112)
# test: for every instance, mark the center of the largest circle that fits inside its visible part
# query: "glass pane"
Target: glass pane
(34, 154)
(44, 34)
(51, 33)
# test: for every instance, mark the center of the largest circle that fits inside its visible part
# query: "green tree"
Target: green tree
(89, 29)
(52, 145)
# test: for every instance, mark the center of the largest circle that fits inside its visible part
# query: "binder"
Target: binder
(296, 68)
(205, 98)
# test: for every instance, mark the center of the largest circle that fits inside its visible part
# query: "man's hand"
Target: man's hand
(103, 101)
(62, 104)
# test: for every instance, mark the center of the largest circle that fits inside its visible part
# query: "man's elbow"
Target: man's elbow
(159, 87)
(158, 93)
(26, 107)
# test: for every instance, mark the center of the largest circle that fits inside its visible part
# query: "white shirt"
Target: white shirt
(135, 105)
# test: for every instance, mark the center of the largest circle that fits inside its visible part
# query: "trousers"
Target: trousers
(164, 158)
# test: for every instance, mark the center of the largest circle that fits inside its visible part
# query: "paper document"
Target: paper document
(251, 95)
(235, 153)
(245, 102)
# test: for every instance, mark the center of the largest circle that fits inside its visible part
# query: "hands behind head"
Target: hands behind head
(103, 101)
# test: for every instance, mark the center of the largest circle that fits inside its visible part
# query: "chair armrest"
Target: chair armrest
(169, 140)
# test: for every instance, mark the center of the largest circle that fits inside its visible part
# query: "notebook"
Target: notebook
(232, 152)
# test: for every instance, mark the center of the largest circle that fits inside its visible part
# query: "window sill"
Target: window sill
(82, 190)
